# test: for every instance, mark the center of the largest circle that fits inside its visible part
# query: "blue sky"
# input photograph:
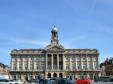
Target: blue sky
(82, 24)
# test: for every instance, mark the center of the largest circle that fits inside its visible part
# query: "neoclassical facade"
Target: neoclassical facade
(54, 61)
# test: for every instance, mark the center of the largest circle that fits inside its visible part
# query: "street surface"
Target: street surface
(102, 83)
(91, 83)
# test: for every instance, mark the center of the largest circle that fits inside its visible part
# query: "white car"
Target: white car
(7, 81)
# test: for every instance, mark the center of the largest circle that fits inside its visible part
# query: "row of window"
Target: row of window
(29, 59)
(26, 67)
(83, 58)
(84, 67)
(60, 58)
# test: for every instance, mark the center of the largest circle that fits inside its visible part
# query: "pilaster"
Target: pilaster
(57, 61)
(46, 61)
(63, 62)
(52, 61)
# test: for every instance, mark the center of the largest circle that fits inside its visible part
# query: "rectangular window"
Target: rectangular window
(67, 58)
(60, 59)
(95, 58)
(49, 67)
(14, 59)
(42, 59)
(37, 58)
(78, 58)
(72, 58)
(79, 76)
(26, 66)
(67, 66)
(31, 59)
(84, 66)
(60, 67)
(14, 67)
(90, 66)
(20, 66)
(84, 58)
(73, 67)
(55, 67)
(37, 66)
(78, 66)
(26, 58)
(49, 59)
(42, 67)
(95, 66)
(20, 59)
(31, 67)
(89, 58)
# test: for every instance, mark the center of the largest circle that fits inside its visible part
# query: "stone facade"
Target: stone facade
(54, 61)
(4, 69)
(107, 67)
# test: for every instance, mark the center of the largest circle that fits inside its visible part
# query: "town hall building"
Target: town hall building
(54, 61)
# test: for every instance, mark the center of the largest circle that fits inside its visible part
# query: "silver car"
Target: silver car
(7, 81)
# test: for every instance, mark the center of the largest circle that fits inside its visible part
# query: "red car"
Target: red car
(83, 81)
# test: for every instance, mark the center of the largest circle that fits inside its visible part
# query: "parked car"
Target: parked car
(51, 81)
(33, 80)
(42, 81)
(83, 81)
(65, 81)
(7, 81)
(106, 79)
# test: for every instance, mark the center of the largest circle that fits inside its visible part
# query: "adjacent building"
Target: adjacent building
(4, 69)
(107, 67)
(54, 61)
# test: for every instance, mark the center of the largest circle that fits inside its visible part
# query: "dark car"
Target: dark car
(42, 81)
(33, 80)
(65, 81)
(51, 81)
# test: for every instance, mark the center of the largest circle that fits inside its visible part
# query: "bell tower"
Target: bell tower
(54, 37)
(54, 41)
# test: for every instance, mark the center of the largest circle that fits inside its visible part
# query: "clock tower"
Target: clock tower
(54, 37)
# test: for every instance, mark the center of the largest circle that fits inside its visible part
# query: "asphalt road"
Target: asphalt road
(102, 83)
(91, 83)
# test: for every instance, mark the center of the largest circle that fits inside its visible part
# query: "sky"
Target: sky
(27, 24)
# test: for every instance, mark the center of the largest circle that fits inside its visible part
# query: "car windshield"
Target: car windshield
(4, 80)
(51, 82)
(82, 79)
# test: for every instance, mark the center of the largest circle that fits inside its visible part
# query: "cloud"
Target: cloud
(34, 42)
(70, 42)
(4, 50)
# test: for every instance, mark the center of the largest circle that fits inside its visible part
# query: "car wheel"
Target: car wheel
(87, 83)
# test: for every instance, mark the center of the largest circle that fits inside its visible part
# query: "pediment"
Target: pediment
(54, 48)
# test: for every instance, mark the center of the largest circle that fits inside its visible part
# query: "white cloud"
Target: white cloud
(34, 42)
(70, 42)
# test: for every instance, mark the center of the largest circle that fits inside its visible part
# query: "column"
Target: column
(81, 62)
(11, 63)
(69, 63)
(17, 63)
(92, 63)
(34, 63)
(75, 62)
(57, 61)
(64, 62)
(98, 68)
(86, 61)
(52, 61)
(23, 63)
(46, 61)
(28, 62)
